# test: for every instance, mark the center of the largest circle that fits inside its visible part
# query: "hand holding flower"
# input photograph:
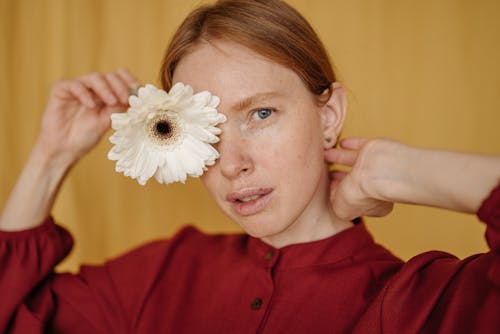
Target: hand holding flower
(78, 113)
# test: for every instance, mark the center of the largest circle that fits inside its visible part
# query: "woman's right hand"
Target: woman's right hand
(78, 113)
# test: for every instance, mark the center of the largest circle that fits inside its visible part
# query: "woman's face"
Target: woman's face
(271, 177)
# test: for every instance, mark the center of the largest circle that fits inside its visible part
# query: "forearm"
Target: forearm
(33, 196)
(445, 179)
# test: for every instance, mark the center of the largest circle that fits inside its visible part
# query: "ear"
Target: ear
(333, 115)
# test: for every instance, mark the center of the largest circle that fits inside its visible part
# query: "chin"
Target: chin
(260, 228)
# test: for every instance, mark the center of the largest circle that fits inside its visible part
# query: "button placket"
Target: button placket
(270, 260)
(259, 298)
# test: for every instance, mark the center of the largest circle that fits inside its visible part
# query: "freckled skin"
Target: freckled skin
(283, 152)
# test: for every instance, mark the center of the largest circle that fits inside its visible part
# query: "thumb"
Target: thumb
(341, 197)
(334, 198)
(106, 114)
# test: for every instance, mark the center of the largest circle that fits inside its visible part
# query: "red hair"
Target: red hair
(270, 28)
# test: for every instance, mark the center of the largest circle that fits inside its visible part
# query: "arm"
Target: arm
(384, 172)
(433, 291)
(76, 117)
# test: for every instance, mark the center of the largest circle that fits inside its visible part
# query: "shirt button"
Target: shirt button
(269, 255)
(256, 304)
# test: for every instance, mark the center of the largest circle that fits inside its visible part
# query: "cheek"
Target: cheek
(209, 180)
(301, 142)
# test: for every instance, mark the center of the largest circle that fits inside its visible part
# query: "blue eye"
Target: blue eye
(263, 113)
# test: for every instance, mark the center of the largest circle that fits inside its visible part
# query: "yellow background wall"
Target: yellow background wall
(423, 72)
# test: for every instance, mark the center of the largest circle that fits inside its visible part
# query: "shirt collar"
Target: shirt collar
(325, 251)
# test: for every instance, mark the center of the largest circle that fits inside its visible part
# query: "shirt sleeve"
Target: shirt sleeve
(437, 292)
(106, 298)
(489, 212)
(27, 259)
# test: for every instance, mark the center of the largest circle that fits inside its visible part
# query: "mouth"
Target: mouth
(250, 201)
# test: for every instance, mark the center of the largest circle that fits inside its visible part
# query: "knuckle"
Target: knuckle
(75, 83)
(125, 73)
(110, 77)
(59, 83)
(94, 76)
(77, 86)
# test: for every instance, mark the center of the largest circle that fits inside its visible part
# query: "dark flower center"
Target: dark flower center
(163, 128)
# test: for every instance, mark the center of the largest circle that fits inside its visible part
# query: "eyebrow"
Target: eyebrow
(251, 100)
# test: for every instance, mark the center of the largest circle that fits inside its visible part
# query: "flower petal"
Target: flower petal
(141, 157)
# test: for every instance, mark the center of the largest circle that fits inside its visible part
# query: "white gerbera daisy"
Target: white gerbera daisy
(166, 135)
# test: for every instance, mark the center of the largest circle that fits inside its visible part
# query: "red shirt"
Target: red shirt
(198, 283)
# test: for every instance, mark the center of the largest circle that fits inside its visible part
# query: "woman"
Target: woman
(303, 265)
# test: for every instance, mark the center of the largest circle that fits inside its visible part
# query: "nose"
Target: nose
(235, 157)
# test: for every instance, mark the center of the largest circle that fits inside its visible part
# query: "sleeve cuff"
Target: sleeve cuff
(47, 225)
(490, 208)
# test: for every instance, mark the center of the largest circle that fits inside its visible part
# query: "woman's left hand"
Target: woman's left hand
(355, 193)
(384, 172)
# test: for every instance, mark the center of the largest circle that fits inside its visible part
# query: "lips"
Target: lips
(249, 201)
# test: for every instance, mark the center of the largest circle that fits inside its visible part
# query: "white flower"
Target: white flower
(166, 135)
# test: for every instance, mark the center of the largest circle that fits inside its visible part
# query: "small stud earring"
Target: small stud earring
(328, 142)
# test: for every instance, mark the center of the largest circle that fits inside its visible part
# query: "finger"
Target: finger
(337, 196)
(353, 143)
(381, 210)
(119, 86)
(105, 115)
(99, 102)
(100, 86)
(334, 185)
(340, 207)
(337, 175)
(126, 76)
(82, 93)
(71, 89)
(342, 157)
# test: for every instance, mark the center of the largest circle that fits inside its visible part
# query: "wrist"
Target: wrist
(51, 161)
(393, 171)
(33, 195)
(445, 179)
